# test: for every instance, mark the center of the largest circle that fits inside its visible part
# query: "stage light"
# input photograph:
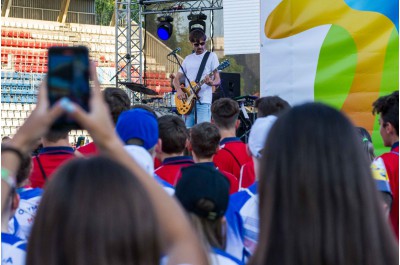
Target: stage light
(197, 22)
(164, 28)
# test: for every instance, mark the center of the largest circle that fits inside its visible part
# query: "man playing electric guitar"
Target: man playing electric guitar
(191, 65)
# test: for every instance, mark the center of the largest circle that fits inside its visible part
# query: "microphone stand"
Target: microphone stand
(128, 57)
(191, 87)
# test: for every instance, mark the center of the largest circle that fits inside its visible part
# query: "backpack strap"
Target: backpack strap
(234, 157)
(41, 168)
(201, 68)
(241, 178)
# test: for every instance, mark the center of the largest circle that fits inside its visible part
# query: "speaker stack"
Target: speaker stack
(230, 86)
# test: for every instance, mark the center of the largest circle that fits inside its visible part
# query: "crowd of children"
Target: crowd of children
(306, 188)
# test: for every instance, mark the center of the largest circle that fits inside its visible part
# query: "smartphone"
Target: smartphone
(68, 76)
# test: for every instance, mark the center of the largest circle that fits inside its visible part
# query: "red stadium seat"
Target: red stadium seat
(23, 43)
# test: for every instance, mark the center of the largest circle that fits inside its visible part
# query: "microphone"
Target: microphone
(174, 51)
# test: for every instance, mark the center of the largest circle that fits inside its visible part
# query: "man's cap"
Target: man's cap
(258, 134)
(200, 185)
(139, 124)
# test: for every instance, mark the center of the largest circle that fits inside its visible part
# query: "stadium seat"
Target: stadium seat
(37, 44)
(17, 114)
(5, 106)
(6, 131)
(30, 44)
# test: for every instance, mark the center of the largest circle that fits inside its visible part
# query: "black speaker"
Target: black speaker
(230, 86)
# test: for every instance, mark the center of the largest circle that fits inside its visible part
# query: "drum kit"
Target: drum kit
(166, 105)
(162, 105)
(247, 116)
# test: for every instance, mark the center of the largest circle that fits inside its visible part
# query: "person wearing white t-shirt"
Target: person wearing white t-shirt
(191, 65)
(20, 225)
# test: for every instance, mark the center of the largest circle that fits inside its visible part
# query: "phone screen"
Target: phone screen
(68, 76)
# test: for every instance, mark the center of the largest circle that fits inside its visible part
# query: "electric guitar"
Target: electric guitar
(185, 105)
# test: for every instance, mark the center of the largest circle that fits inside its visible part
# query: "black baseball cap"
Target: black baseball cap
(204, 191)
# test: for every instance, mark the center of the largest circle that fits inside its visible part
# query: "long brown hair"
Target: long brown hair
(318, 202)
(94, 211)
(211, 233)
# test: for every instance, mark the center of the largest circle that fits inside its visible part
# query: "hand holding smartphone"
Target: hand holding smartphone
(68, 76)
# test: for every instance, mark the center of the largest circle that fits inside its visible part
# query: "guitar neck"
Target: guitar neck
(204, 79)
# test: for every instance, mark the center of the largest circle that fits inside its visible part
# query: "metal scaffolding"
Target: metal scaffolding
(128, 31)
(170, 6)
(128, 39)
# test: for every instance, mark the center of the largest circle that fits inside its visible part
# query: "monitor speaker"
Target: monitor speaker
(230, 86)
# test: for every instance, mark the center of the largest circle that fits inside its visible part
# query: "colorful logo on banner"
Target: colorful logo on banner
(358, 59)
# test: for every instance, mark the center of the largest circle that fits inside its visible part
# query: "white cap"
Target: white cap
(142, 157)
(258, 134)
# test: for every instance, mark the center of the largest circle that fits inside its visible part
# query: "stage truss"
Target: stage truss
(129, 17)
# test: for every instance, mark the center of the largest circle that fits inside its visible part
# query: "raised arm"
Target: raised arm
(181, 244)
(26, 137)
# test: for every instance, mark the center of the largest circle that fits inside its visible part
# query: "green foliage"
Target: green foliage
(234, 68)
(106, 8)
(104, 11)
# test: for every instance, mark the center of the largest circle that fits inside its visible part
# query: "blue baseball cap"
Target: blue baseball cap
(140, 124)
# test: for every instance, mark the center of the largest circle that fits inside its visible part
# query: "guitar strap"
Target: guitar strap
(202, 65)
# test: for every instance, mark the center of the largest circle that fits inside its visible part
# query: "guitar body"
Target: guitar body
(184, 106)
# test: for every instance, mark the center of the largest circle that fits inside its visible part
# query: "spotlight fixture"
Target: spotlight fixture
(164, 28)
(197, 22)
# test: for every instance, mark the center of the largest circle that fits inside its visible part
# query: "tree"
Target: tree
(104, 11)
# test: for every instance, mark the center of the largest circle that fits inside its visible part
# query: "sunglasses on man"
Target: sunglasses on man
(199, 44)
